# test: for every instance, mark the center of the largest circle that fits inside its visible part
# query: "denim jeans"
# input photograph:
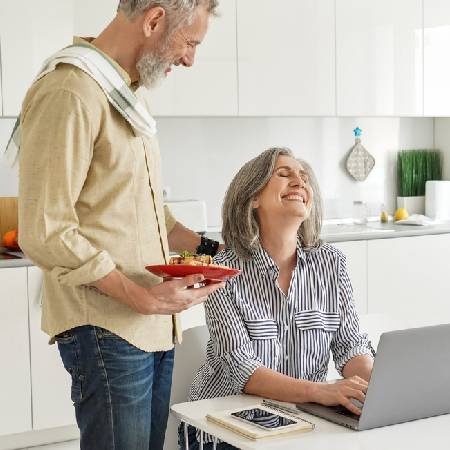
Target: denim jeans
(194, 444)
(121, 394)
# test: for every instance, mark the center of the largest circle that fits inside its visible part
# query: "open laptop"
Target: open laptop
(410, 380)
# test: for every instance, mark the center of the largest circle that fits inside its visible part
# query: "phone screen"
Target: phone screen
(263, 418)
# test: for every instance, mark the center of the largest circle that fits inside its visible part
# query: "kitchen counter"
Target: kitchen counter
(13, 259)
(373, 230)
(377, 230)
(330, 233)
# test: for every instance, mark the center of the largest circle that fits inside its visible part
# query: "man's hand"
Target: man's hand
(174, 296)
(340, 393)
(169, 297)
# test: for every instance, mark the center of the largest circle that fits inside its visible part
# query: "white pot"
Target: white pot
(414, 205)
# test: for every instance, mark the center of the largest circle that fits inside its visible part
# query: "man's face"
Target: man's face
(177, 48)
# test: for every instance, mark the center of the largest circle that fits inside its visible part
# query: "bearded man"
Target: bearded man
(92, 217)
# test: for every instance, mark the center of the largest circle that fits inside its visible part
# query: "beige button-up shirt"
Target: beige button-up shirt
(90, 200)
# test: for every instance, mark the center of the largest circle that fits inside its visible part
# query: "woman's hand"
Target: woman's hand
(340, 393)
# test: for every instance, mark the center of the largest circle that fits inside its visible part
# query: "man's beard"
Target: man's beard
(152, 69)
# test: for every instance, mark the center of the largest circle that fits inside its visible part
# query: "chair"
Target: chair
(189, 356)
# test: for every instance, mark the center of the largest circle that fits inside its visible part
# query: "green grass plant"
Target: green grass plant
(414, 168)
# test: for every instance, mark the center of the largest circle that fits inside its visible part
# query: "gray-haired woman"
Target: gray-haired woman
(274, 326)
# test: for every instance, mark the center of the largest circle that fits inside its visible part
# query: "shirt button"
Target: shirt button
(286, 357)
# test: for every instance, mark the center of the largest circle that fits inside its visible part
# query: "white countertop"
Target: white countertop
(19, 262)
(373, 230)
(330, 233)
(377, 230)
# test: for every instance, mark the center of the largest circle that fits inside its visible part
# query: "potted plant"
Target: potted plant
(414, 169)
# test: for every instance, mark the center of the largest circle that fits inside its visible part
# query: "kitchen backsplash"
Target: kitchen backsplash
(201, 155)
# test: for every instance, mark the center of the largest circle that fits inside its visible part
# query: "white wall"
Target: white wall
(8, 176)
(201, 155)
(209, 151)
(442, 140)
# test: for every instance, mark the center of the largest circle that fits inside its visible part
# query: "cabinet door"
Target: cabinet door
(379, 57)
(30, 32)
(408, 278)
(209, 87)
(286, 57)
(91, 17)
(15, 388)
(52, 406)
(436, 65)
(356, 254)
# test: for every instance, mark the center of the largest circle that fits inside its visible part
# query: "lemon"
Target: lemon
(384, 218)
(401, 214)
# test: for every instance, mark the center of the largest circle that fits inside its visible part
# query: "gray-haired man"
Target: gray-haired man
(92, 217)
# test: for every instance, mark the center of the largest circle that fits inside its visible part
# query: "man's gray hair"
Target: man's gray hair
(178, 11)
(240, 229)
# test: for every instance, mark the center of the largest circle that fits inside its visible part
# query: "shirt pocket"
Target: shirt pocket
(264, 336)
(315, 319)
(316, 330)
(260, 329)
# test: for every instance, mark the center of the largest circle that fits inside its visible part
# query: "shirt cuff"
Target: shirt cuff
(94, 269)
(241, 367)
(363, 349)
(170, 219)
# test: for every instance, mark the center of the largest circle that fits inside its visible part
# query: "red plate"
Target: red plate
(181, 270)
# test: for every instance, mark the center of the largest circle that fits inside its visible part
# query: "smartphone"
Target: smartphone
(262, 418)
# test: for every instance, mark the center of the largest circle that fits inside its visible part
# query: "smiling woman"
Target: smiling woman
(273, 327)
(274, 173)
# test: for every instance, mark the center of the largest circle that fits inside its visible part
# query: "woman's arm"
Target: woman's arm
(360, 366)
(268, 383)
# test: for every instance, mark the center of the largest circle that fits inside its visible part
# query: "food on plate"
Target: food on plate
(191, 259)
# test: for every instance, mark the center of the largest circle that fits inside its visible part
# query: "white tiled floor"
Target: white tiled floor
(70, 445)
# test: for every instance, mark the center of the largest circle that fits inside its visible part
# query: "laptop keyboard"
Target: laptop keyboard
(345, 412)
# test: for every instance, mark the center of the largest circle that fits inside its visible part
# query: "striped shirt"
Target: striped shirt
(253, 324)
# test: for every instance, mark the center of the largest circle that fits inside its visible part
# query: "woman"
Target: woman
(272, 328)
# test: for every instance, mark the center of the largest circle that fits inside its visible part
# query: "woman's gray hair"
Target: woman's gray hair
(240, 229)
(178, 12)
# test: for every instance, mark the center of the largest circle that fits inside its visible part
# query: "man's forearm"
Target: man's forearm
(181, 238)
(359, 365)
(119, 287)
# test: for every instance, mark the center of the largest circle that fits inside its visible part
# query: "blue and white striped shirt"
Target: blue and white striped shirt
(252, 323)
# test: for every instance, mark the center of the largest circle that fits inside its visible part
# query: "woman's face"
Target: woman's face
(288, 193)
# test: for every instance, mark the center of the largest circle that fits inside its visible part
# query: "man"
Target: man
(91, 216)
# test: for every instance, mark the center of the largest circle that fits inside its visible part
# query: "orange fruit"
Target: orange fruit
(10, 240)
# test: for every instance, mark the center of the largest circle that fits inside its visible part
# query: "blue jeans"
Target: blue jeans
(121, 394)
(194, 444)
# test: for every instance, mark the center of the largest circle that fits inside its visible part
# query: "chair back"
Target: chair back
(189, 356)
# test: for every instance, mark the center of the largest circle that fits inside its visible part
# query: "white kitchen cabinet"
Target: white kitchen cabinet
(15, 389)
(408, 278)
(356, 255)
(436, 64)
(30, 32)
(51, 384)
(1, 89)
(91, 17)
(209, 87)
(286, 57)
(379, 51)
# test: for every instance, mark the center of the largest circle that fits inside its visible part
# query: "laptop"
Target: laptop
(410, 380)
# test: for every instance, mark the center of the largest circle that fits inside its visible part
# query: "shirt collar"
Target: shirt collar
(123, 73)
(266, 264)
